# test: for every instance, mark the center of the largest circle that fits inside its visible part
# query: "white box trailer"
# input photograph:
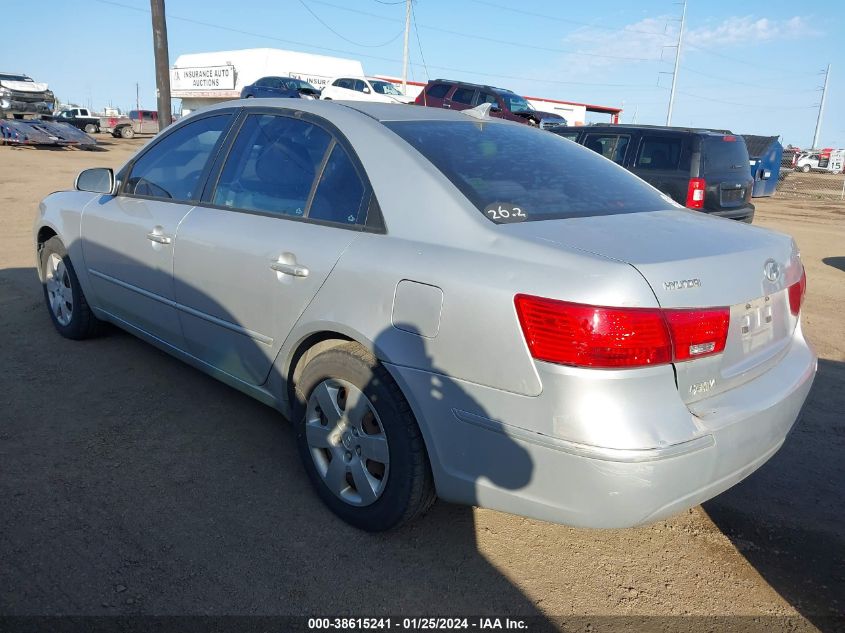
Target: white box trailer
(201, 79)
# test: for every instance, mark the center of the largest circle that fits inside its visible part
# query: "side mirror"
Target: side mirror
(495, 108)
(96, 180)
(366, 90)
(766, 174)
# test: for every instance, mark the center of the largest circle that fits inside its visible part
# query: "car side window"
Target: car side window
(340, 193)
(359, 85)
(438, 91)
(464, 95)
(172, 168)
(272, 165)
(659, 152)
(487, 97)
(344, 83)
(612, 146)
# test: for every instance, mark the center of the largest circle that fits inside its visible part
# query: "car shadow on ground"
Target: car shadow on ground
(835, 262)
(133, 484)
(787, 518)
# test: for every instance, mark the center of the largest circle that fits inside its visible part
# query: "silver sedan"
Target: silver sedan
(444, 305)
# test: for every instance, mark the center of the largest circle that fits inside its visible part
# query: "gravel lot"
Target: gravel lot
(133, 484)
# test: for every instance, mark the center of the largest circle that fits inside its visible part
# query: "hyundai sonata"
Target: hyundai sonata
(444, 305)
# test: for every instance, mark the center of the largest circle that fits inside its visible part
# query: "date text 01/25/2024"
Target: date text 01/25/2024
(417, 624)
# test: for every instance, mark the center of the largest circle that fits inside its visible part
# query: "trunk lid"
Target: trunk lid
(691, 260)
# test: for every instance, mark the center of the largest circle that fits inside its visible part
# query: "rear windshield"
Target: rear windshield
(724, 154)
(514, 173)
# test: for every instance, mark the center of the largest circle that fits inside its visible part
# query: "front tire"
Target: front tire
(359, 441)
(63, 295)
(805, 169)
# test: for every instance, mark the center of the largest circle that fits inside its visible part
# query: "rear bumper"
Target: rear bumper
(743, 214)
(480, 460)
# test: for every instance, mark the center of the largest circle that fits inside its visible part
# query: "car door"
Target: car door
(460, 98)
(288, 200)
(344, 89)
(128, 238)
(663, 161)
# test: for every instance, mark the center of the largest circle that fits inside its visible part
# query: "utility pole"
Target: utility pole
(821, 109)
(137, 97)
(162, 63)
(677, 62)
(405, 49)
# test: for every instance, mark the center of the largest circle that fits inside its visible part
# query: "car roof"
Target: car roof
(645, 128)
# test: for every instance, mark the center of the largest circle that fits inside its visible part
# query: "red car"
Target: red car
(458, 95)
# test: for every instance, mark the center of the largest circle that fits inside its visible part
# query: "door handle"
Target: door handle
(446, 105)
(159, 238)
(295, 270)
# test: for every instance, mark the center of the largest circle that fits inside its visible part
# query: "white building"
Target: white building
(201, 79)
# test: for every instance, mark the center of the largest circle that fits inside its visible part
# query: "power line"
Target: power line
(309, 45)
(742, 82)
(746, 62)
(497, 41)
(557, 18)
(419, 43)
(744, 105)
(344, 38)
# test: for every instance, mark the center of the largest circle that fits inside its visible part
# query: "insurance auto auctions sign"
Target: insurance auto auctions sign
(202, 78)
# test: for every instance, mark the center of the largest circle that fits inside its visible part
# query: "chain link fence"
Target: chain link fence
(808, 182)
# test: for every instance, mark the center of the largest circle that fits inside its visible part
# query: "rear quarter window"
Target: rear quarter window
(660, 152)
(499, 166)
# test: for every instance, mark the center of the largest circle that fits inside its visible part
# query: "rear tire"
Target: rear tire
(368, 463)
(91, 129)
(127, 132)
(63, 295)
(805, 169)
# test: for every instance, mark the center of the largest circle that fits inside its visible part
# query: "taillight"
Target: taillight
(697, 333)
(796, 293)
(695, 193)
(603, 337)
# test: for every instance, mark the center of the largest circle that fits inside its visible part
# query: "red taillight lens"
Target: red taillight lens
(695, 193)
(796, 293)
(603, 337)
(697, 333)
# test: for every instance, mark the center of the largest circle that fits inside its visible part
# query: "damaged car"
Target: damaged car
(20, 96)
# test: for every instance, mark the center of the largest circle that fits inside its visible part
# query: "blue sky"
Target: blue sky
(750, 67)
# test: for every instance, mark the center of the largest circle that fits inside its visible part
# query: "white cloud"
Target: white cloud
(647, 39)
(642, 40)
(748, 29)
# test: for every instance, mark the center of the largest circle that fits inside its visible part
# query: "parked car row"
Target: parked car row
(438, 93)
(540, 332)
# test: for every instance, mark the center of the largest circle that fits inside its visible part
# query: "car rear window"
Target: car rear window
(517, 173)
(725, 153)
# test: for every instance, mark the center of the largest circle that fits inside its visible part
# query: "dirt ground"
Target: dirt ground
(133, 484)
